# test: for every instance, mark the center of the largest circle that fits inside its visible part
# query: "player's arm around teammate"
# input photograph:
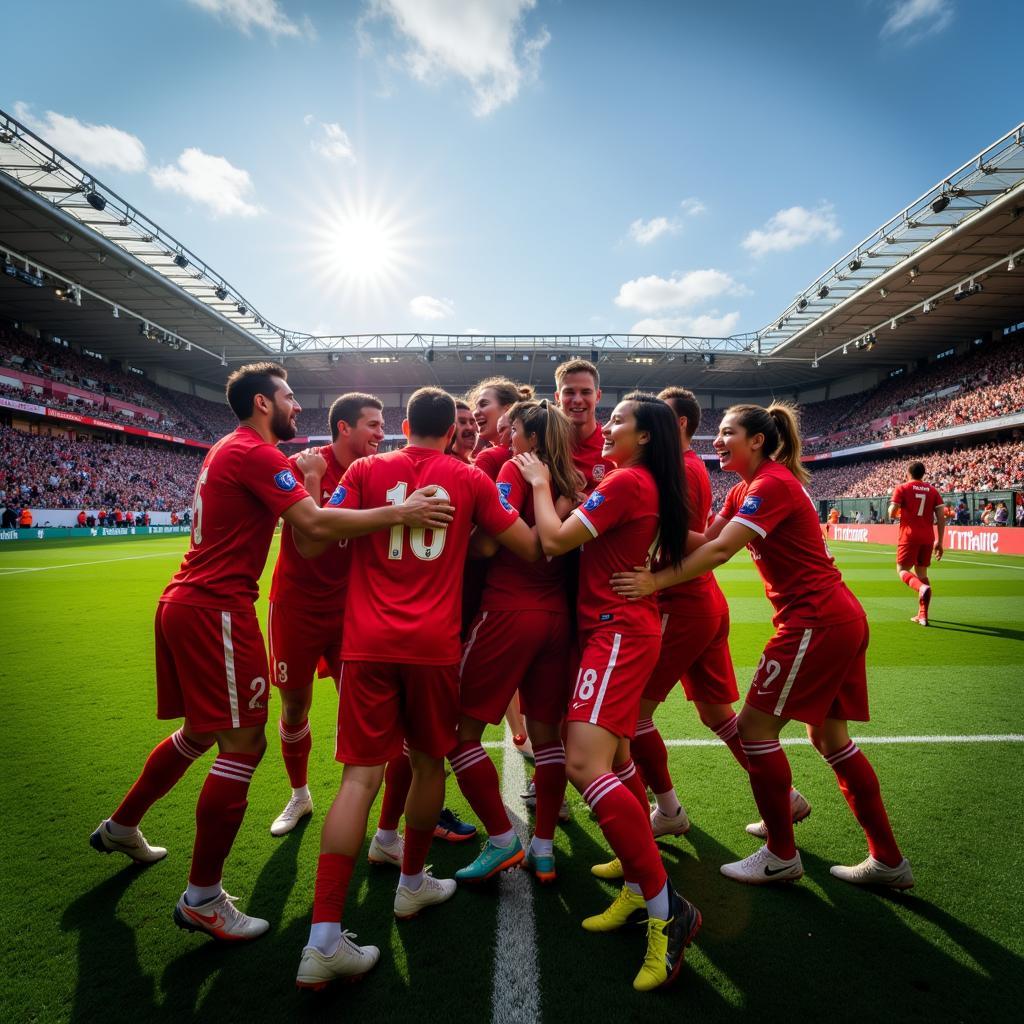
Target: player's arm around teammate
(813, 669)
(619, 643)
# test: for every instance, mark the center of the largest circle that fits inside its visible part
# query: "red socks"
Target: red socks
(296, 743)
(333, 871)
(478, 780)
(628, 831)
(651, 757)
(729, 733)
(166, 764)
(219, 814)
(417, 846)
(397, 780)
(630, 778)
(771, 781)
(549, 780)
(859, 784)
(910, 579)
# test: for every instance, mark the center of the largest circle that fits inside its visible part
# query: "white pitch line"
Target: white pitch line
(4, 571)
(515, 995)
(792, 741)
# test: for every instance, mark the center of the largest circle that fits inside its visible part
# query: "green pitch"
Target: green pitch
(90, 938)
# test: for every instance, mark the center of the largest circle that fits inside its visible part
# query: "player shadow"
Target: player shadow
(108, 971)
(977, 629)
(222, 981)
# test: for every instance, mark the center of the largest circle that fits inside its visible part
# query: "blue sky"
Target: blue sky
(516, 166)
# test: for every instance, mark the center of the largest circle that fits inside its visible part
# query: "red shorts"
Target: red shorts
(914, 552)
(381, 704)
(507, 651)
(211, 667)
(695, 652)
(614, 668)
(303, 642)
(814, 674)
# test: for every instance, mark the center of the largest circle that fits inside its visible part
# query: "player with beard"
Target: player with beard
(211, 663)
(466, 433)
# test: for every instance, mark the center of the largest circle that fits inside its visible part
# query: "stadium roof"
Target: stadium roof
(84, 263)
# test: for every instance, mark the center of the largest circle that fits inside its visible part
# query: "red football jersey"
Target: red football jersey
(799, 573)
(318, 582)
(405, 586)
(513, 584)
(700, 597)
(490, 460)
(917, 502)
(622, 516)
(589, 460)
(243, 487)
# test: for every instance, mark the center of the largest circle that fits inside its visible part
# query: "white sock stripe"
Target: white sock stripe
(841, 755)
(757, 751)
(233, 777)
(644, 726)
(232, 769)
(292, 737)
(468, 758)
(555, 757)
(727, 730)
(185, 748)
(753, 744)
(599, 788)
(627, 771)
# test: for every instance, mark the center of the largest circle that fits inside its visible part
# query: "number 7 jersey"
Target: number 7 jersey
(404, 599)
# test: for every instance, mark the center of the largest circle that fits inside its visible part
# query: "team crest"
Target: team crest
(598, 473)
(504, 489)
(751, 505)
(337, 497)
(285, 480)
(593, 501)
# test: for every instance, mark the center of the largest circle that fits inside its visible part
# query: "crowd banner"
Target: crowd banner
(992, 540)
(80, 532)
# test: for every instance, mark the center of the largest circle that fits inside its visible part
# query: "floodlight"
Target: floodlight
(855, 265)
(823, 292)
(221, 293)
(802, 304)
(95, 200)
(242, 309)
(181, 260)
(927, 307)
(940, 203)
(6, 136)
(1012, 265)
(870, 341)
(844, 350)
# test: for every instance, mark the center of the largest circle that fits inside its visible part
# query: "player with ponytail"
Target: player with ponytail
(813, 668)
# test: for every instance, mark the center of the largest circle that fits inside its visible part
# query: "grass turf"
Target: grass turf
(90, 938)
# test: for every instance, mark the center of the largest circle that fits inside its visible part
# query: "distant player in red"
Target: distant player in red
(637, 508)
(466, 433)
(210, 659)
(813, 669)
(307, 596)
(400, 670)
(520, 640)
(918, 506)
(694, 650)
(577, 392)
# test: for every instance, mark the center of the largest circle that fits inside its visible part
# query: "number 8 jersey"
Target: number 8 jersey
(405, 586)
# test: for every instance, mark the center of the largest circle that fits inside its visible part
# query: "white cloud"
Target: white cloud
(791, 228)
(643, 232)
(210, 180)
(246, 15)
(332, 141)
(653, 293)
(426, 307)
(707, 325)
(692, 206)
(914, 19)
(93, 145)
(484, 43)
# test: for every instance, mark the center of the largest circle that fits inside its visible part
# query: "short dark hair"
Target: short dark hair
(430, 412)
(348, 408)
(576, 366)
(685, 405)
(916, 470)
(251, 380)
(461, 403)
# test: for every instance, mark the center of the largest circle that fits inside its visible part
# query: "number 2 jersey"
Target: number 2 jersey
(405, 585)
(800, 576)
(244, 486)
(917, 502)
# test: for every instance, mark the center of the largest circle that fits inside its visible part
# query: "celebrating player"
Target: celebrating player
(466, 433)
(400, 669)
(520, 640)
(492, 398)
(577, 391)
(619, 641)
(210, 659)
(307, 596)
(694, 651)
(918, 505)
(813, 669)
